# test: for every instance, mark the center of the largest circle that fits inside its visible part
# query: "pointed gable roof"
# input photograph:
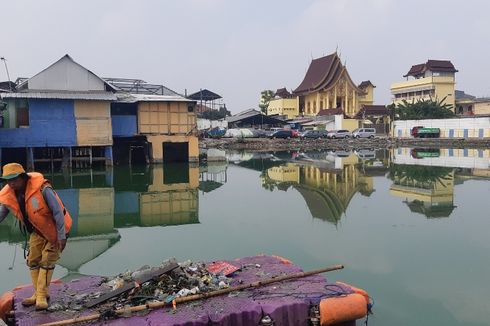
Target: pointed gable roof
(204, 95)
(322, 73)
(66, 75)
(365, 84)
(282, 93)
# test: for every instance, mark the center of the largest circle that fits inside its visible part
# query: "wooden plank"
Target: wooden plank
(125, 288)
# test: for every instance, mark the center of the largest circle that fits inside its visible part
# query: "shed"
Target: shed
(253, 118)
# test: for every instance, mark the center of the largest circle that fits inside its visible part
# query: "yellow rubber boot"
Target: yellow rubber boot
(27, 302)
(42, 288)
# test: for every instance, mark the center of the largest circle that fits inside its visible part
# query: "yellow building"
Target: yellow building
(153, 128)
(469, 105)
(284, 103)
(433, 198)
(327, 192)
(434, 80)
(327, 85)
(172, 197)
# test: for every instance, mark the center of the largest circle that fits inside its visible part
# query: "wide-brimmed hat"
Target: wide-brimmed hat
(12, 170)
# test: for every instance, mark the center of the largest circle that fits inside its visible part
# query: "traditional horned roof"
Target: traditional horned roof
(282, 93)
(365, 84)
(322, 73)
(431, 65)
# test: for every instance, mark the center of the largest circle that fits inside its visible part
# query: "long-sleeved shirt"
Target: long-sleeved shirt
(54, 206)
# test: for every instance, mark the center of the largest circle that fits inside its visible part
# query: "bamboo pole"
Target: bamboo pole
(160, 304)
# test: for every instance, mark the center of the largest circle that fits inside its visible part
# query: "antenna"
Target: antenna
(6, 69)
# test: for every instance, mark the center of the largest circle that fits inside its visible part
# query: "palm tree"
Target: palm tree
(423, 109)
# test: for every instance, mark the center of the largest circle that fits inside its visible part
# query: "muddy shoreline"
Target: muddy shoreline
(264, 144)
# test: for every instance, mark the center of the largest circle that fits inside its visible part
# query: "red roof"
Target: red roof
(365, 84)
(322, 73)
(330, 112)
(283, 93)
(431, 65)
(372, 110)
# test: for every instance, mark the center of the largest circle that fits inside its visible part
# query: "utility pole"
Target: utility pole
(7, 70)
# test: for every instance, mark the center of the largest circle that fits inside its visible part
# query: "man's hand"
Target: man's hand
(61, 244)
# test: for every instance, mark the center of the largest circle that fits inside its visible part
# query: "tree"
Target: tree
(215, 114)
(265, 97)
(423, 109)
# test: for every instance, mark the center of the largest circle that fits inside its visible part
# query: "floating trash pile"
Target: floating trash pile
(187, 279)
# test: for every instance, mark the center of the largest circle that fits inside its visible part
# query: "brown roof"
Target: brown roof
(283, 93)
(322, 73)
(431, 65)
(372, 110)
(365, 84)
(330, 112)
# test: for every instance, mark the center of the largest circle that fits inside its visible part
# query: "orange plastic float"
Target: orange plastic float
(6, 303)
(344, 308)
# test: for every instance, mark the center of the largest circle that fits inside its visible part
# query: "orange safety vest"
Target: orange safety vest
(38, 212)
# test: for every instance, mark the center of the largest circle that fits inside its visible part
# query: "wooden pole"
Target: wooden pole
(160, 304)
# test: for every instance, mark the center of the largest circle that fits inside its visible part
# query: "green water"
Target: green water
(411, 228)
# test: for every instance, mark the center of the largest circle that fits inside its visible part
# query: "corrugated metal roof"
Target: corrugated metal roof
(105, 96)
(133, 98)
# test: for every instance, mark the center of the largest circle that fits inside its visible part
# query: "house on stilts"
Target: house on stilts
(67, 116)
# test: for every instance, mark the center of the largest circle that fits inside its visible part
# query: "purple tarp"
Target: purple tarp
(287, 303)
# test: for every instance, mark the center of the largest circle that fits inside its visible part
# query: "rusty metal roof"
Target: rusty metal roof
(102, 96)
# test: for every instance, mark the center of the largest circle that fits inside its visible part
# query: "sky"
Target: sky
(237, 48)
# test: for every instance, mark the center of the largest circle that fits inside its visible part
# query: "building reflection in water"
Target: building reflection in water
(427, 190)
(212, 176)
(426, 177)
(101, 202)
(327, 181)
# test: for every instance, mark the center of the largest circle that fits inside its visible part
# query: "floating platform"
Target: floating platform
(293, 302)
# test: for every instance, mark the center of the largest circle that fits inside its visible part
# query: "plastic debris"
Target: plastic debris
(189, 278)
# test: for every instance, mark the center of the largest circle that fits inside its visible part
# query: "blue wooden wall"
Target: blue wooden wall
(51, 123)
(124, 125)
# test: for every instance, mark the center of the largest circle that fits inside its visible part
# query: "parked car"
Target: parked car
(295, 133)
(314, 134)
(286, 134)
(342, 133)
(259, 133)
(365, 153)
(364, 133)
(340, 153)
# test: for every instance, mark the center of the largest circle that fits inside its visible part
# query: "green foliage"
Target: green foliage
(423, 109)
(215, 114)
(420, 173)
(265, 97)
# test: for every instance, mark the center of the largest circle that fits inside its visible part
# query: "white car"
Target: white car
(364, 133)
(342, 133)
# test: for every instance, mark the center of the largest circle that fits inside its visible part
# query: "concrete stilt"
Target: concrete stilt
(66, 161)
(30, 159)
(108, 156)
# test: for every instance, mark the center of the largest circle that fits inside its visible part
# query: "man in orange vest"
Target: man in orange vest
(32, 200)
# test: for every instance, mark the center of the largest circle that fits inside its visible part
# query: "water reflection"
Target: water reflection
(427, 190)
(327, 192)
(101, 202)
